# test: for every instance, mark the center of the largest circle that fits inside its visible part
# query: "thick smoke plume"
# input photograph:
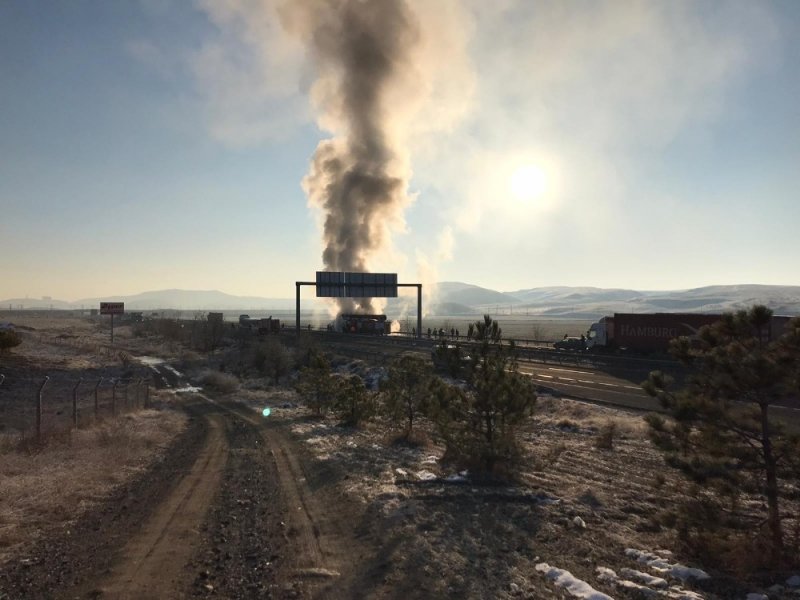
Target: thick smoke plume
(362, 51)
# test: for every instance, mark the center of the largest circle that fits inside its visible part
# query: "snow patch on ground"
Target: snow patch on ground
(188, 389)
(150, 361)
(173, 370)
(576, 587)
(645, 578)
(662, 565)
(607, 575)
(650, 586)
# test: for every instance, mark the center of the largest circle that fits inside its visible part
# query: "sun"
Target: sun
(528, 182)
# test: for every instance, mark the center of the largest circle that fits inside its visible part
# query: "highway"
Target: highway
(589, 385)
(601, 379)
(608, 380)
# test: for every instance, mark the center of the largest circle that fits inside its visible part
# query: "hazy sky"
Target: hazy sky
(162, 144)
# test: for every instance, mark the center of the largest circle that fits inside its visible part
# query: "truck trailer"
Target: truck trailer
(652, 333)
(369, 324)
(262, 326)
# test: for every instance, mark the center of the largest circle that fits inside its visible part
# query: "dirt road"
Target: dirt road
(229, 513)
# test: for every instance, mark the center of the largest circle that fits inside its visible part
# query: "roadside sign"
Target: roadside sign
(112, 308)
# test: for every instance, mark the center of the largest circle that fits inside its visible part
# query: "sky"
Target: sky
(159, 144)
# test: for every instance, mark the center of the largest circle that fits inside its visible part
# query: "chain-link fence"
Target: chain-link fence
(37, 406)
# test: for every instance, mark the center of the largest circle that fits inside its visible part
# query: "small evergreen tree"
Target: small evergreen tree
(448, 357)
(316, 384)
(353, 402)
(721, 434)
(480, 423)
(407, 390)
(487, 330)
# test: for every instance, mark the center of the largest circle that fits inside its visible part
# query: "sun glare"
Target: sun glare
(528, 182)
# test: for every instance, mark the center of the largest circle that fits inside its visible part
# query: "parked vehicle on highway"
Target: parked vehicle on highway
(652, 333)
(577, 344)
(262, 326)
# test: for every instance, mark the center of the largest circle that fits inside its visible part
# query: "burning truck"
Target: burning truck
(362, 323)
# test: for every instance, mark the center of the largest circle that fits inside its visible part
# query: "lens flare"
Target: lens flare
(266, 412)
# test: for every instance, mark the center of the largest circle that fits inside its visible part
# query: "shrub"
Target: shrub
(272, 359)
(9, 339)
(170, 329)
(220, 382)
(605, 439)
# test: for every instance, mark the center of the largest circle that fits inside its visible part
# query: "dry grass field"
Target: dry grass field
(45, 487)
(47, 484)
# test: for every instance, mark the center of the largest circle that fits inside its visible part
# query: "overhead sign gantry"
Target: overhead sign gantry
(347, 284)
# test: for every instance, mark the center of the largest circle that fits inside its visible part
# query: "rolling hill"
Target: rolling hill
(453, 297)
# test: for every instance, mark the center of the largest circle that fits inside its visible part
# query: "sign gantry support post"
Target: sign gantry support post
(357, 285)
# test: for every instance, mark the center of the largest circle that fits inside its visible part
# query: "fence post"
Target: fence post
(96, 403)
(138, 392)
(75, 403)
(39, 408)
(114, 399)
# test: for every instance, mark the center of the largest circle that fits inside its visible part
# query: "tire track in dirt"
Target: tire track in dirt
(156, 556)
(315, 545)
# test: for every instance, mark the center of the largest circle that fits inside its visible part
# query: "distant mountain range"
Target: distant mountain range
(591, 302)
(160, 299)
(456, 298)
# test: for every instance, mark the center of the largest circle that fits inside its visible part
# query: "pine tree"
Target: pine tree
(721, 434)
(486, 330)
(316, 385)
(479, 422)
(407, 390)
